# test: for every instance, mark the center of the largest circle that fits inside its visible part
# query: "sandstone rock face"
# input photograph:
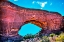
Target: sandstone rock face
(63, 22)
(12, 17)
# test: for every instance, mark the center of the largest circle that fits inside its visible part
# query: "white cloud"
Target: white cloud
(33, 2)
(42, 4)
(15, 0)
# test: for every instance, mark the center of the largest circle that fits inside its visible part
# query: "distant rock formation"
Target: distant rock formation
(12, 17)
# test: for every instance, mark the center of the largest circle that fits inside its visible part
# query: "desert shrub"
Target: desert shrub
(28, 36)
(45, 39)
(60, 37)
(51, 35)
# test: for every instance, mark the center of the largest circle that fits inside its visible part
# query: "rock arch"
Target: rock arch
(13, 16)
(34, 22)
(38, 23)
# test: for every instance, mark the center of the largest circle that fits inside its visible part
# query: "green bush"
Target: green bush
(51, 35)
(45, 39)
(28, 36)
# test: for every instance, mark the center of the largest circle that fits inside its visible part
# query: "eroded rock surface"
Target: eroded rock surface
(12, 17)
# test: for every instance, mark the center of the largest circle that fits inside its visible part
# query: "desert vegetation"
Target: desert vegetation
(51, 38)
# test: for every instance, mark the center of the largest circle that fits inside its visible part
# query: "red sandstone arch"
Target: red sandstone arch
(34, 22)
(38, 23)
(12, 17)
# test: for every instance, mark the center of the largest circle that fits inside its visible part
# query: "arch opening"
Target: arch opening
(30, 27)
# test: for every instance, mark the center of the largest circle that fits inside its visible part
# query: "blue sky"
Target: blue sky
(50, 5)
